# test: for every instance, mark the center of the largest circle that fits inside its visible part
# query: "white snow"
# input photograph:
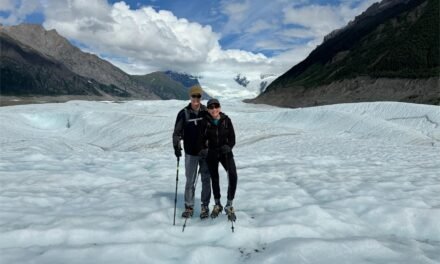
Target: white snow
(231, 90)
(93, 182)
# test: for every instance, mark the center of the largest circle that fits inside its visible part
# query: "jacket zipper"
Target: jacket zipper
(216, 132)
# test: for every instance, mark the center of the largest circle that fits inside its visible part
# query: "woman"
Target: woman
(219, 137)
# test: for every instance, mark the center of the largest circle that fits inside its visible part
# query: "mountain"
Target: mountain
(389, 52)
(89, 66)
(37, 62)
(187, 80)
(25, 71)
(241, 80)
(265, 81)
(161, 83)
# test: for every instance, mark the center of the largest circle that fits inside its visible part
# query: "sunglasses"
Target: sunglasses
(196, 96)
(212, 106)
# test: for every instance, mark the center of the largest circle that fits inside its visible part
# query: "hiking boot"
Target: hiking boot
(204, 212)
(230, 212)
(188, 212)
(218, 208)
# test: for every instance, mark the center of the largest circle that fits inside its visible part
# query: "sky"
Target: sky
(213, 39)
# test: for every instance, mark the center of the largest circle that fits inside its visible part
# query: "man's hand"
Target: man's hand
(178, 152)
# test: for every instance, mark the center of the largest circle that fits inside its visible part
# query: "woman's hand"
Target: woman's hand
(225, 149)
(203, 153)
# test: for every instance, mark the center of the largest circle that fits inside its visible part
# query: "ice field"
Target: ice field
(94, 182)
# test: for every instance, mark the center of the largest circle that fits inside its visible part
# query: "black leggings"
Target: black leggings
(228, 163)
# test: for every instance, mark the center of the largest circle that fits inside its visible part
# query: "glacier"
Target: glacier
(93, 182)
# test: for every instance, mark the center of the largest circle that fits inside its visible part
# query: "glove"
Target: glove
(178, 152)
(225, 149)
(203, 153)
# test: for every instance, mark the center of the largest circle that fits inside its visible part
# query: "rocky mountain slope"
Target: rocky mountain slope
(388, 53)
(25, 71)
(37, 62)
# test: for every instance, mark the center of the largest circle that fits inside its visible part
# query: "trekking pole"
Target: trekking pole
(195, 185)
(227, 172)
(175, 197)
(184, 225)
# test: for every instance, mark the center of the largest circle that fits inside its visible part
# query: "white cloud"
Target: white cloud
(351, 8)
(259, 26)
(319, 20)
(6, 5)
(297, 33)
(149, 40)
(290, 22)
(236, 11)
(294, 55)
(18, 10)
(145, 34)
(145, 39)
(272, 44)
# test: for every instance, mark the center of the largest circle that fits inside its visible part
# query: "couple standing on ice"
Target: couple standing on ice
(208, 138)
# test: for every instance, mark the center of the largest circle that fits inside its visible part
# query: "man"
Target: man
(188, 127)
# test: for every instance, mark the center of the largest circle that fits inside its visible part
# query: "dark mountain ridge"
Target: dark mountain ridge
(39, 62)
(389, 52)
